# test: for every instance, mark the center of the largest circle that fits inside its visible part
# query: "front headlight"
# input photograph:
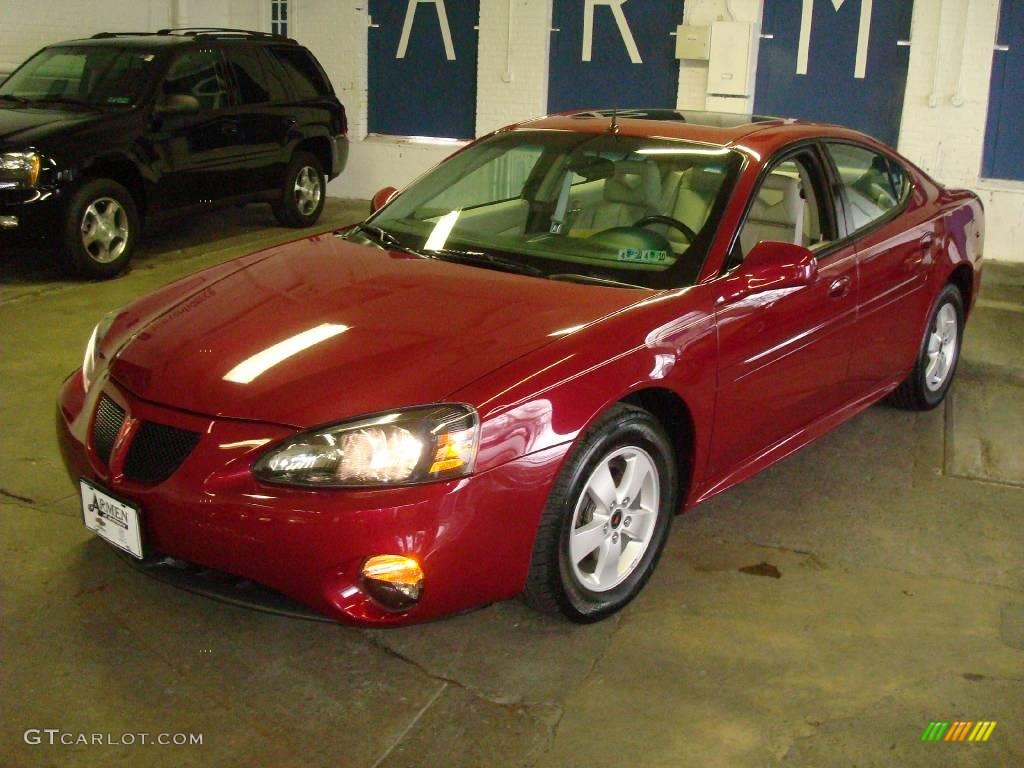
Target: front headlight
(416, 445)
(92, 349)
(20, 169)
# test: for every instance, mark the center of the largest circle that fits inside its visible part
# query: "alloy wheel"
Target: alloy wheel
(105, 230)
(943, 339)
(307, 190)
(614, 519)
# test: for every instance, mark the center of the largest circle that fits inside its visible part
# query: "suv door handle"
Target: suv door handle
(839, 287)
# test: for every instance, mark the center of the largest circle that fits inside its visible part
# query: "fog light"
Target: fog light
(394, 581)
(8, 222)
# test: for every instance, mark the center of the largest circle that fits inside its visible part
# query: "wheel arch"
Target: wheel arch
(675, 417)
(320, 148)
(963, 278)
(123, 171)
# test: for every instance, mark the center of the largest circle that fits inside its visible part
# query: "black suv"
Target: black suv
(98, 135)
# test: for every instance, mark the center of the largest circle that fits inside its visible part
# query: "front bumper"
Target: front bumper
(31, 217)
(473, 537)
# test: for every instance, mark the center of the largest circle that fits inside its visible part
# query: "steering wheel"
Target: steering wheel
(668, 221)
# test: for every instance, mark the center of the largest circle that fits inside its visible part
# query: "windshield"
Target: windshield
(93, 75)
(595, 208)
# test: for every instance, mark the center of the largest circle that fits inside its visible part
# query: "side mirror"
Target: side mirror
(771, 266)
(177, 104)
(382, 198)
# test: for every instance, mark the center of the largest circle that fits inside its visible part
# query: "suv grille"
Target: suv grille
(157, 451)
(109, 418)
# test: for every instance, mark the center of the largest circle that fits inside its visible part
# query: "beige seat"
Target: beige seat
(776, 214)
(694, 192)
(633, 192)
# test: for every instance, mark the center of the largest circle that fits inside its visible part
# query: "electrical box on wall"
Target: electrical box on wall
(693, 42)
(731, 60)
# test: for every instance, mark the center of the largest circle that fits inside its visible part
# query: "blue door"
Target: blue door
(1004, 134)
(422, 67)
(613, 53)
(837, 61)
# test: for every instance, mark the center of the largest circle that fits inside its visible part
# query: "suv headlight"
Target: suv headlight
(414, 445)
(92, 349)
(20, 169)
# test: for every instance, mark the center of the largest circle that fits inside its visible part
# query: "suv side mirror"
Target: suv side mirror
(382, 198)
(771, 266)
(177, 104)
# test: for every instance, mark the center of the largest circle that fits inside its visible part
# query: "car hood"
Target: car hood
(322, 330)
(23, 126)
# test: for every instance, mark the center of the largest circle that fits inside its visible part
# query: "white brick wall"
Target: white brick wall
(512, 71)
(943, 129)
(25, 27)
(693, 75)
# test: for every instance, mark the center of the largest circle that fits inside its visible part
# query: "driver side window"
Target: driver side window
(197, 74)
(785, 208)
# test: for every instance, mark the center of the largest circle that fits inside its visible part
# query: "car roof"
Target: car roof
(760, 134)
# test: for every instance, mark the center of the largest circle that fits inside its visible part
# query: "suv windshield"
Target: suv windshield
(594, 208)
(91, 75)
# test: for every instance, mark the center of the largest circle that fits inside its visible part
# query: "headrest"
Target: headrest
(634, 183)
(705, 181)
(784, 208)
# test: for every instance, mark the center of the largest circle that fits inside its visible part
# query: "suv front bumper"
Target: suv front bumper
(31, 216)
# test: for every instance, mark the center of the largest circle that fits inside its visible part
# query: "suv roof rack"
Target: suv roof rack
(221, 32)
(217, 32)
(102, 35)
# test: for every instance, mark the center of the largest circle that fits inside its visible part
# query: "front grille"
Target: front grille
(157, 450)
(105, 427)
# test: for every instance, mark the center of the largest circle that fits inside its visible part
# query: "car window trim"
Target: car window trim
(889, 216)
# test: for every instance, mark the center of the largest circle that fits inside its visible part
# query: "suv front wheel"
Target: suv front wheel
(101, 229)
(305, 188)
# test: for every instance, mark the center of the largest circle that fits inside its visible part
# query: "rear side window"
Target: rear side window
(302, 72)
(253, 87)
(874, 183)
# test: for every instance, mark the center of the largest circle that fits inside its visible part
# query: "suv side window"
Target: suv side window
(873, 183)
(197, 73)
(248, 74)
(302, 71)
(277, 78)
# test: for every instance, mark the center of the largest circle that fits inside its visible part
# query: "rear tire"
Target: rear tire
(303, 194)
(607, 518)
(928, 383)
(101, 229)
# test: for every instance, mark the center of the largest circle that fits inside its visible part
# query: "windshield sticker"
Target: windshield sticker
(118, 100)
(643, 256)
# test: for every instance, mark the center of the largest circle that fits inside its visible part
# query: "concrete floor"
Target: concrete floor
(895, 597)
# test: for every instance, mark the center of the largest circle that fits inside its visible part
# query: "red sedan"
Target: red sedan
(511, 377)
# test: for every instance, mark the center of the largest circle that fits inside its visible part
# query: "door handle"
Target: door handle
(229, 129)
(839, 287)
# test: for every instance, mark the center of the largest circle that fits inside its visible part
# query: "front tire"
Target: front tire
(101, 229)
(304, 192)
(607, 519)
(928, 383)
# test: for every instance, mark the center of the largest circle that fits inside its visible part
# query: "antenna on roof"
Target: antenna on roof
(614, 127)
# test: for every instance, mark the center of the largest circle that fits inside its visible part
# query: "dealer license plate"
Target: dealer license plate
(111, 519)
